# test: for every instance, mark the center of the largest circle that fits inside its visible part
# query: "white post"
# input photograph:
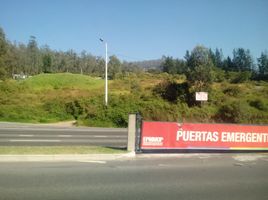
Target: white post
(106, 76)
(131, 132)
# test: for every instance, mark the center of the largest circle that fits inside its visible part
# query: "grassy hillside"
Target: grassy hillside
(62, 81)
(60, 97)
(42, 98)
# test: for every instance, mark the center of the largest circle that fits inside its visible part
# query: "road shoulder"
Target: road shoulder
(65, 157)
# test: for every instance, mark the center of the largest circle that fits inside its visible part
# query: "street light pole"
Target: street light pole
(106, 72)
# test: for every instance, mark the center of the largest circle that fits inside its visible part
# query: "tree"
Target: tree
(32, 49)
(172, 91)
(242, 60)
(3, 42)
(180, 66)
(83, 63)
(212, 56)
(114, 66)
(47, 63)
(200, 68)
(99, 67)
(187, 56)
(228, 64)
(131, 67)
(169, 65)
(3, 50)
(71, 57)
(263, 65)
(12, 59)
(218, 58)
(46, 55)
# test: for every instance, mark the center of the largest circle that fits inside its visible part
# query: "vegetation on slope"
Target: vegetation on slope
(58, 97)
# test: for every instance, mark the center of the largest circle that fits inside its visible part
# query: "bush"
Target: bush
(135, 87)
(200, 114)
(9, 87)
(172, 91)
(219, 75)
(57, 109)
(115, 115)
(259, 104)
(159, 110)
(74, 108)
(234, 112)
(3, 73)
(242, 77)
(216, 97)
(233, 91)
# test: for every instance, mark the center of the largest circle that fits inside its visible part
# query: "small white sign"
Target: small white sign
(201, 96)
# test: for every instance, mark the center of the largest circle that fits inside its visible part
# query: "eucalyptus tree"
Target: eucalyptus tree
(3, 50)
(263, 65)
(200, 72)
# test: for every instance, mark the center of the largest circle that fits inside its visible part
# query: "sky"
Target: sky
(138, 29)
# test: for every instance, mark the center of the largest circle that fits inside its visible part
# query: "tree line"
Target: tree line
(215, 66)
(30, 59)
(201, 65)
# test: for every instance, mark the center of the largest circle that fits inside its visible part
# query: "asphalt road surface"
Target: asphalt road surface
(34, 135)
(187, 177)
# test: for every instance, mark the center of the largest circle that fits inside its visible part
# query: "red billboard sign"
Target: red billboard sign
(165, 135)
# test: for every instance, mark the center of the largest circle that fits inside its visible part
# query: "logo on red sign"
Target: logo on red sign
(153, 141)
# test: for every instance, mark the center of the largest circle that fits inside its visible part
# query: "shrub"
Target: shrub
(135, 87)
(74, 108)
(259, 104)
(159, 110)
(172, 91)
(233, 91)
(115, 115)
(242, 77)
(219, 75)
(216, 97)
(9, 87)
(233, 112)
(56, 109)
(200, 114)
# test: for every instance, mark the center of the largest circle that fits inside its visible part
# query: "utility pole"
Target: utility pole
(106, 72)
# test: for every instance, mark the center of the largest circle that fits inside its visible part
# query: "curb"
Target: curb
(65, 157)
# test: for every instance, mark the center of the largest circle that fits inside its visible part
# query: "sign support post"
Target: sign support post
(138, 133)
(134, 132)
(131, 132)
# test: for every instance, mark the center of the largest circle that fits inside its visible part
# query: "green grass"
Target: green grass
(43, 98)
(51, 150)
(63, 81)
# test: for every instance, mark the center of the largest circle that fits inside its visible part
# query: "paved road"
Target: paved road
(187, 177)
(33, 135)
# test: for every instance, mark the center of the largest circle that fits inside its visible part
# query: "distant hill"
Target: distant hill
(149, 64)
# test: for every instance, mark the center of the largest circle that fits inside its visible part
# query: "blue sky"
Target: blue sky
(138, 29)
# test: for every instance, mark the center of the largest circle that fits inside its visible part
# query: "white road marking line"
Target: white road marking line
(163, 165)
(100, 136)
(26, 135)
(34, 140)
(93, 161)
(65, 136)
(247, 158)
